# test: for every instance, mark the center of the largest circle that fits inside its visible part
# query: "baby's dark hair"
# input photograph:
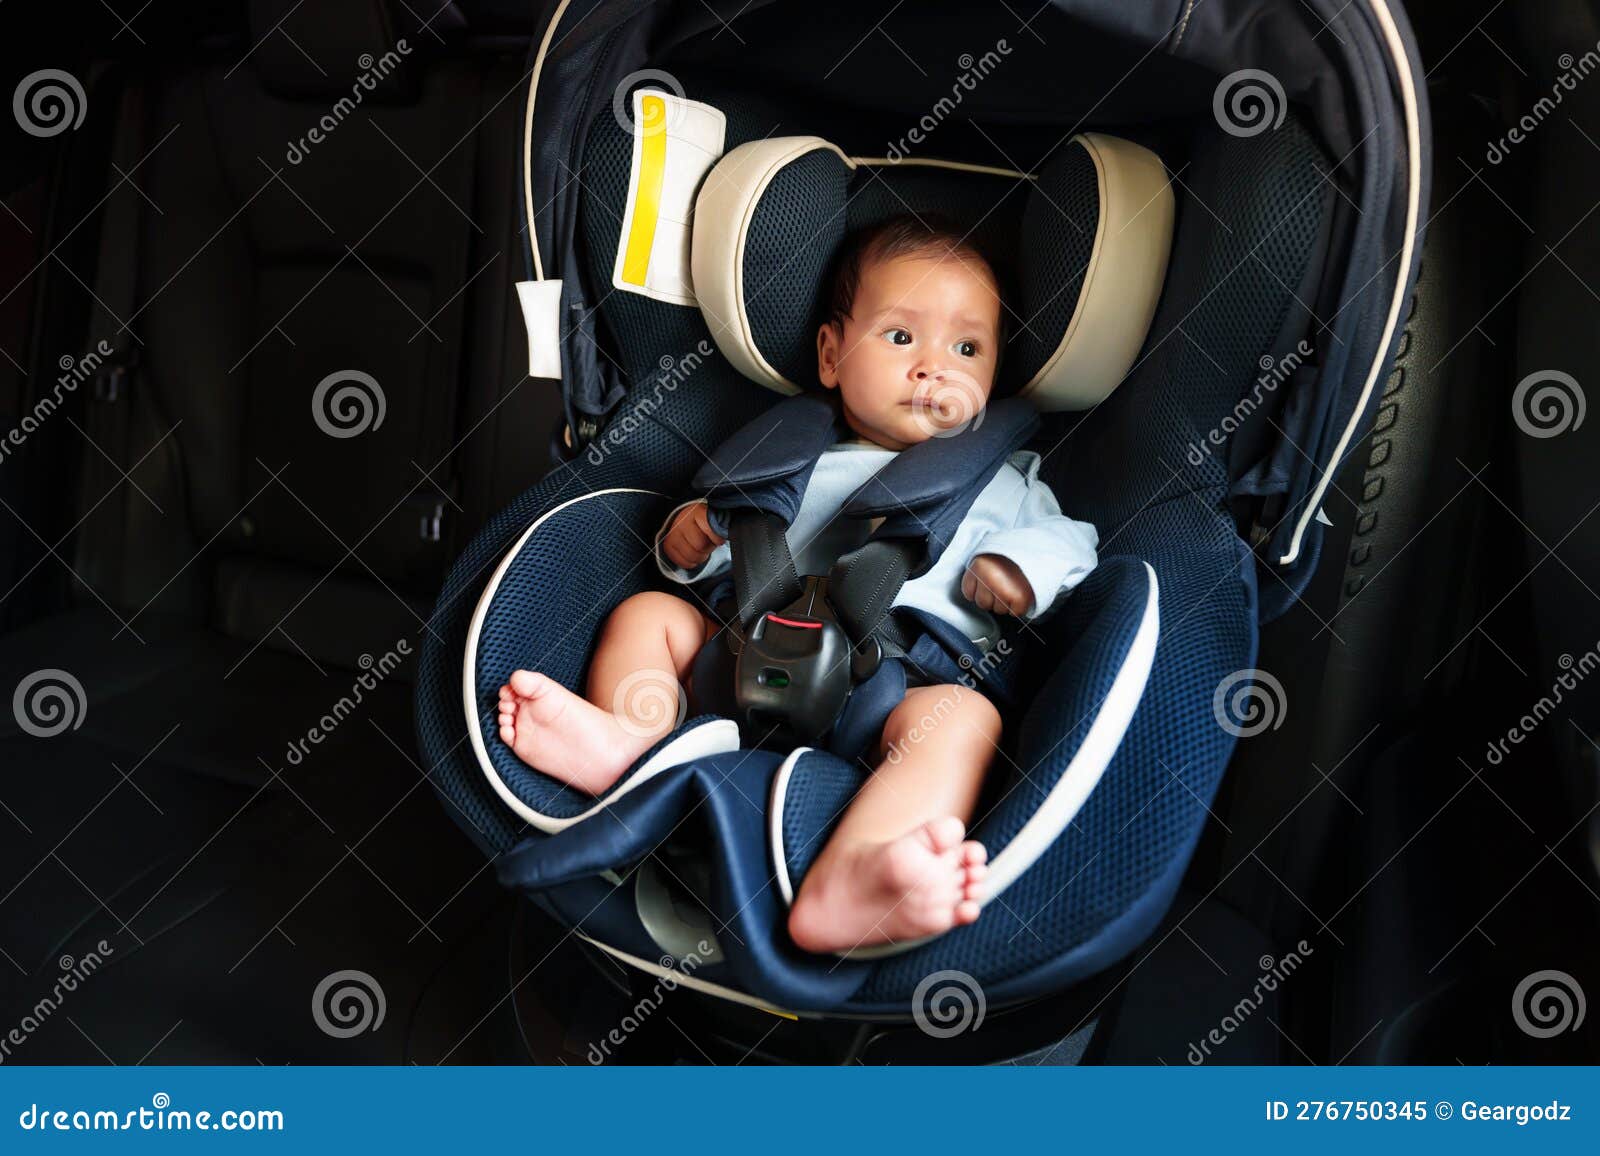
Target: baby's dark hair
(904, 235)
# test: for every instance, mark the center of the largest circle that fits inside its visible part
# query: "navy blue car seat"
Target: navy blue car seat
(1117, 743)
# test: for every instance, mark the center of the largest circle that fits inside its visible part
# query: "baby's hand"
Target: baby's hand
(690, 539)
(997, 584)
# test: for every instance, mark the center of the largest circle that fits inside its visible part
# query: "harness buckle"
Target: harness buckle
(794, 668)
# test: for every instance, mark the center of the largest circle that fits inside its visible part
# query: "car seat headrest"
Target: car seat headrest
(1089, 248)
(328, 51)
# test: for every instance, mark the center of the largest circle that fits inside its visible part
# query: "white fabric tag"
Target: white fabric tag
(541, 313)
(675, 143)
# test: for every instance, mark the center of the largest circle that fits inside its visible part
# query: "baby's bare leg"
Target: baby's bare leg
(645, 652)
(646, 649)
(896, 868)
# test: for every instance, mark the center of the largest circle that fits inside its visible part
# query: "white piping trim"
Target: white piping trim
(1092, 758)
(1082, 775)
(936, 163)
(527, 135)
(1408, 99)
(689, 981)
(709, 738)
(780, 791)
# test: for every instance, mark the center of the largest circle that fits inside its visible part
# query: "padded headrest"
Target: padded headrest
(1086, 241)
(328, 51)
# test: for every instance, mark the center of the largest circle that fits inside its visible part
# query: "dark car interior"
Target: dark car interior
(215, 574)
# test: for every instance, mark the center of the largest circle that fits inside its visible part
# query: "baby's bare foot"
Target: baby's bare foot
(920, 884)
(569, 738)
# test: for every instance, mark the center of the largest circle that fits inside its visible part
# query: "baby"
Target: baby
(911, 344)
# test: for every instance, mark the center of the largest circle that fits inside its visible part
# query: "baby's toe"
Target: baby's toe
(944, 834)
(526, 683)
(974, 854)
(966, 912)
(507, 734)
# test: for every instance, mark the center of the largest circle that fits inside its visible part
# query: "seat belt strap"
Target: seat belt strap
(764, 575)
(862, 587)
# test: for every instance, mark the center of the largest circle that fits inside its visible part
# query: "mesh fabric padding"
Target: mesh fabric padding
(801, 223)
(820, 788)
(1058, 227)
(652, 444)
(546, 615)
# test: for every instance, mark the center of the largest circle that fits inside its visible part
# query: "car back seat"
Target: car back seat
(252, 569)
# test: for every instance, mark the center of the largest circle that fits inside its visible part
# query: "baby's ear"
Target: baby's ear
(830, 344)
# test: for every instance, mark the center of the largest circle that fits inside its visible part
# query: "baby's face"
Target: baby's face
(916, 357)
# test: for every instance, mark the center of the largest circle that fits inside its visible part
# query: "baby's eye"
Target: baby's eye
(897, 336)
(967, 348)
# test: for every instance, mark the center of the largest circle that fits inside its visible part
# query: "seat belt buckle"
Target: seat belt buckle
(430, 526)
(795, 667)
(110, 382)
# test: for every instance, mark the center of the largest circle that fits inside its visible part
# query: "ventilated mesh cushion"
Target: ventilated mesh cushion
(820, 788)
(812, 205)
(653, 443)
(1058, 227)
(535, 623)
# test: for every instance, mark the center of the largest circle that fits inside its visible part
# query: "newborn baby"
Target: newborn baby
(911, 345)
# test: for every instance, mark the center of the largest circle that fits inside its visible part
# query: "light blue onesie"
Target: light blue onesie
(1015, 516)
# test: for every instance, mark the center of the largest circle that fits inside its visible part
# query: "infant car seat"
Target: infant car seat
(677, 284)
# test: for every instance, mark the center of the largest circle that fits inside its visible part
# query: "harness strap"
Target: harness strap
(764, 575)
(863, 584)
